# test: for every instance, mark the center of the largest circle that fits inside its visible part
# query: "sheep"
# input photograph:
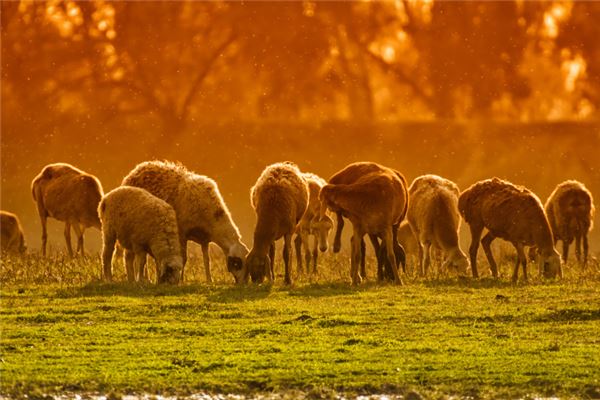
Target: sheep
(434, 218)
(312, 225)
(67, 194)
(514, 214)
(375, 203)
(279, 198)
(12, 239)
(351, 174)
(142, 223)
(570, 211)
(408, 241)
(202, 215)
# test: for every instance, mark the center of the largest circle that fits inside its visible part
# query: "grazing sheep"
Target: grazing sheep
(375, 203)
(202, 215)
(12, 239)
(143, 224)
(67, 194)
(514, 214)
(349, 175)
(434, 218)
(570, 211)
(312, 225)
(279, 198)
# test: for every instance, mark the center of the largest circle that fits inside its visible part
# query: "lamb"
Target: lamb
(570, 211)
(434, 218)
(12, 239)
(375, 203)
(514, 214)
(351, 174)
(312, 225)
(67, 194)
(280, 198)
(202, 215)
(143, 224)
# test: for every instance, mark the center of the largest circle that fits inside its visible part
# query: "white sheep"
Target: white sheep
(434, 218)
(12, 239)
(514, 214)
(202, 215)
(313, 225)
(279, 198)
(67, 194)
(143, 224)
(570, 211)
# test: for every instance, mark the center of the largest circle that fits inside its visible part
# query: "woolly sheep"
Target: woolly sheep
(312, 225)
(570, 211)
(434, 218)
(348, 175)
(375, 203)
(202, 215)
(67, 194)
(514, 214)
(142, 223)
(279, 198)
(12, 239)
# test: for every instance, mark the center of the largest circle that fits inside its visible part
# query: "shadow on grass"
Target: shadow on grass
(467, 282)
(236, 294)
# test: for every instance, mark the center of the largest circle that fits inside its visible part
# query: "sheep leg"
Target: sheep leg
(298, 248)
(565, 246)
(363, 254)
(521, 259)
(287, 247)
(272, 259)
(585, 251)
(475, 236)
(206, 259)
(315, 253)
(578, 248)
(183, 245)
(388, 241)
(79, 234)
(139, 263)
(129, 257)
(421, 259)
(108, 247)
(486, 243)
(337, 241)
(356, 255)
(306, 245)
(68, 238)
(427, 257)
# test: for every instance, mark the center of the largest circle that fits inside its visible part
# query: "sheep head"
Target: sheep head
(170, 270)
(321, 227)
(258, 266)
(550, 263)
(235, 262)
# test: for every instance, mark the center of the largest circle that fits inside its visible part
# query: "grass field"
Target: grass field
(443, 337)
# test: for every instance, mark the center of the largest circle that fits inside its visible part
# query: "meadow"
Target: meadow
(64, 331)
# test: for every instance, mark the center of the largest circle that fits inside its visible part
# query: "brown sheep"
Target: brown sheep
(67, 194)
(279, 198)
(375, 204)
(312, 225)
(570, 211)
(12, 239)
(434, 218)
(514, 214)
(350, 174)
(202, 215)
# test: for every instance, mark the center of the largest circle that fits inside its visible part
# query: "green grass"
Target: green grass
(450, 336)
